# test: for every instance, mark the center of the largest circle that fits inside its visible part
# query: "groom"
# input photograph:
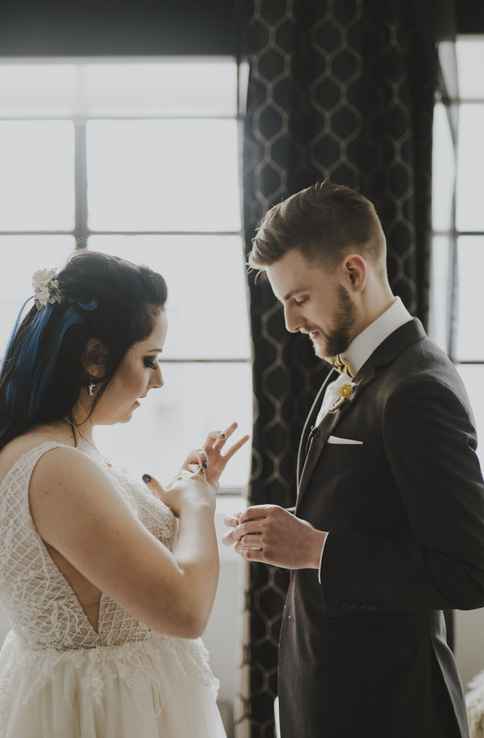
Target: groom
(388, 529)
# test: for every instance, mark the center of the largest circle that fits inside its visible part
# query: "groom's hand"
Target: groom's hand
(272, 535)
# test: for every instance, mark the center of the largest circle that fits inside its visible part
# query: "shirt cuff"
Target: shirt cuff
(321, 558)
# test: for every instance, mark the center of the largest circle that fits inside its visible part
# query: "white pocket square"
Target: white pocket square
(348, 441)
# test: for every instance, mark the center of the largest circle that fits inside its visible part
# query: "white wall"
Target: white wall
(223, 636)
(469, 633)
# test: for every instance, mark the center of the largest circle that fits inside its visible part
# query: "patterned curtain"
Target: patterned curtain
(345, 89)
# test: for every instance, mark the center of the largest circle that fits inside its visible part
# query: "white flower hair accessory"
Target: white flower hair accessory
(46, 287)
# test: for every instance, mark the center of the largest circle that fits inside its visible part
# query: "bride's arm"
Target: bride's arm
(77, 510)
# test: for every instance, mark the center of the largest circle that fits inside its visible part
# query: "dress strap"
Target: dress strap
(25, 463)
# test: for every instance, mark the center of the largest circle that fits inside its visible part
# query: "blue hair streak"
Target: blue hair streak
(30, 368)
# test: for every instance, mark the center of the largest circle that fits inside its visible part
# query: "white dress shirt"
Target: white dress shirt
(357, 353)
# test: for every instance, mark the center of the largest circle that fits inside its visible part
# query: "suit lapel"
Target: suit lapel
(383, 355)
(325, 429)
(311, 419)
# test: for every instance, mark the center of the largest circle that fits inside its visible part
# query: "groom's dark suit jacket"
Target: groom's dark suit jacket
(364, 652)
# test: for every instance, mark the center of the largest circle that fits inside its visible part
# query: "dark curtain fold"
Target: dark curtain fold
(345, 89)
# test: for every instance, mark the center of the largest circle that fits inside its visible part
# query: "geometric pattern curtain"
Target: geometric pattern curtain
(342, 90)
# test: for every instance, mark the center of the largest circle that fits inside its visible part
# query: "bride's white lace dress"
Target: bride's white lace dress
(59, 678)
(475, 706)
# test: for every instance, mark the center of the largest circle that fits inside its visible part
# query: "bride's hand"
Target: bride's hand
(210, 454)
(182, 492)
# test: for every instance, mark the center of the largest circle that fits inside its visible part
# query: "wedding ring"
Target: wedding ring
(193, 471)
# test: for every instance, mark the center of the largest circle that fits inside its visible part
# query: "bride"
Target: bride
(108, 581)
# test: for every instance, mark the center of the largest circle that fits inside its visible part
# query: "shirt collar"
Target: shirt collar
(365, 343)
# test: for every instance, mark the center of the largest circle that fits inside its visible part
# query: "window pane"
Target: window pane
(195, 399)
(207, 304)
(470, 334)
(470, 65)
(443, 171)
(470, 212)
(163, 175)
(161, 87)
(440, 290)
(37, 89)
(21, 257)
(473, 376)
(36, 175)
(145, 86)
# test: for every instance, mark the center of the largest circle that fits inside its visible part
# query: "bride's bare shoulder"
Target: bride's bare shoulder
(24, 443)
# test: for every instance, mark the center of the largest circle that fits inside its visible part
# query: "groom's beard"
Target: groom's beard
(338, 340)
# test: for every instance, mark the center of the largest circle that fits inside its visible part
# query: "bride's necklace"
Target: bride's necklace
(106, 461)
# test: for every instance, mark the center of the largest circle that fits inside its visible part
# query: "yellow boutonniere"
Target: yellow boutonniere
(345, 392)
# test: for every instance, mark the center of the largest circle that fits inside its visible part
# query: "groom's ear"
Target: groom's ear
(355, 272)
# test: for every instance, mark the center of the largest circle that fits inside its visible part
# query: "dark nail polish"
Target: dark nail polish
(146, 478)
(204, 464)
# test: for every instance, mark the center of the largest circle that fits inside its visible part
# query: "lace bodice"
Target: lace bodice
(50, 630)
(43, 607)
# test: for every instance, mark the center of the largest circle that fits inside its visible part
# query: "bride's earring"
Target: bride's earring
(91, 388)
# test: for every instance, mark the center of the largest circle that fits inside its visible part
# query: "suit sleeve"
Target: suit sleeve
(438, 561)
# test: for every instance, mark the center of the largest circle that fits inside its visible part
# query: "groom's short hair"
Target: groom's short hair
(324, 222)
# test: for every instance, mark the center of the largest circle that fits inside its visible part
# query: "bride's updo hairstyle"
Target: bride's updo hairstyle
(102, 297)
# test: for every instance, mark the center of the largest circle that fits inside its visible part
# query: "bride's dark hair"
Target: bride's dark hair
(103, 297)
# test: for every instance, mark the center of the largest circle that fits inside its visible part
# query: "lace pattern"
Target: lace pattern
(475, 706)
(50, 627)
(158, 658)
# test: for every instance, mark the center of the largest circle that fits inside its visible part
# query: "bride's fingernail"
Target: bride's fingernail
(146, 478)
(204, 464)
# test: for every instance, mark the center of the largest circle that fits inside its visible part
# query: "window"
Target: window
(138, 158)
(458, 248)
